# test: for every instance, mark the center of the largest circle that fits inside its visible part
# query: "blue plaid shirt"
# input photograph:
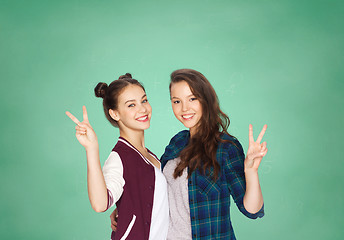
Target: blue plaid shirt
(210, 201)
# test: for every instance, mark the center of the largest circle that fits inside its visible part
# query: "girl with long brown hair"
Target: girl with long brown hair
(205, 165)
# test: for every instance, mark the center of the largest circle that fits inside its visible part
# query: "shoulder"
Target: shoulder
(229, 142)
(113, 161)
(122, 147)
(230, 147)
(182, 135)
(179, 140)
(177, 143)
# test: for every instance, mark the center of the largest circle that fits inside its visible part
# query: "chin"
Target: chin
(146, 127)
(188, 125)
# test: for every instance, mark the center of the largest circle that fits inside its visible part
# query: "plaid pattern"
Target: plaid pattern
(210, 201)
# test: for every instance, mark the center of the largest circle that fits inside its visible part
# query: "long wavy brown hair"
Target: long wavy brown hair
(200, 153)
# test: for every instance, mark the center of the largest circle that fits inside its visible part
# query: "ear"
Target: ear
(114, 114)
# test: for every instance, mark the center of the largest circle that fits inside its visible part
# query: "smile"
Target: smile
(188, 116)
(143, 118)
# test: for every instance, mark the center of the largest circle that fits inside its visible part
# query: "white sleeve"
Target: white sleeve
(113, 175)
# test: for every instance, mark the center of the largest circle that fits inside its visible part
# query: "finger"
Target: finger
(84, 125)
(264, 153)
(263, 146)
(261, 134)
(114, 220)
(114, 228)
(71, 116)
(81, 132)
(250, 133)
(77, 127)
(114, 223)
(84, 113)
(80, 129)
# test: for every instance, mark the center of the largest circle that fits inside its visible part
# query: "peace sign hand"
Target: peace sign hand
(256, 150)
(84, 132)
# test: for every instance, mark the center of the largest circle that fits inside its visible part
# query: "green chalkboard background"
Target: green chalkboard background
(274, 62)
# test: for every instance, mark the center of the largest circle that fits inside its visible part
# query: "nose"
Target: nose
(142, 108)
(185, 106)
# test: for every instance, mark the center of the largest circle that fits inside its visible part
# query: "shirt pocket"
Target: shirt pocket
(208, 187)
(130, 226)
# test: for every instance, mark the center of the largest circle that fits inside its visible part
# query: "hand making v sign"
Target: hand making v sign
(256, 150)
(84, 132)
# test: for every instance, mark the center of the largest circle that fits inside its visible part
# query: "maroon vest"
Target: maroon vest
(138, 193)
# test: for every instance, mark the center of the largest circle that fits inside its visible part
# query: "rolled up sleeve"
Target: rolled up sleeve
(235, 175)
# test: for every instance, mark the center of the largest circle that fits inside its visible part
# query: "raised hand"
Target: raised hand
(84, 132)
(256, 150)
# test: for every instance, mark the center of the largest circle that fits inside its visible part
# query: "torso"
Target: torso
(143, 204)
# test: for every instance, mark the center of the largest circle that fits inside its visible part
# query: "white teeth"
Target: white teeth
(142, 118)
(188, 116)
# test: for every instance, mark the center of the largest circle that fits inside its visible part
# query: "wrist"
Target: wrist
(94, 148)
(251, 171)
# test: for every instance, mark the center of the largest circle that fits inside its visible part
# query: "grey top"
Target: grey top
(178, 197)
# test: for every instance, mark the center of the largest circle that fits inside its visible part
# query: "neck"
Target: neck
(136, 138)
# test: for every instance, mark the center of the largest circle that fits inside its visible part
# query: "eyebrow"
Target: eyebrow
(133, 100)
(186, 96)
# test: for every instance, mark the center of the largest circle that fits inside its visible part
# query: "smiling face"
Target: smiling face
(186, 107)
(134, 111)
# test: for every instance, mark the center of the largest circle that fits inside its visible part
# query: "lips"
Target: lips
(188, 117)
(142, 119)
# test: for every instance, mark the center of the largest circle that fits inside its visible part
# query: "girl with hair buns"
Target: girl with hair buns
(131, 176)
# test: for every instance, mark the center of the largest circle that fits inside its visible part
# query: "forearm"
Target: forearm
(253, 199)
(97, 191)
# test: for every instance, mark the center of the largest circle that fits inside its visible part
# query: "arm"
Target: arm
(97, 191)
(253, 199)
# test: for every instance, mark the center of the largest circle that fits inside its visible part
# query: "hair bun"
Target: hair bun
(127, 75)
(100, 89)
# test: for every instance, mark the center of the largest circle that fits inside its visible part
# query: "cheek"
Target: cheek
(199, 108)
(149, 108)
(175, 109)
(126, 115)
